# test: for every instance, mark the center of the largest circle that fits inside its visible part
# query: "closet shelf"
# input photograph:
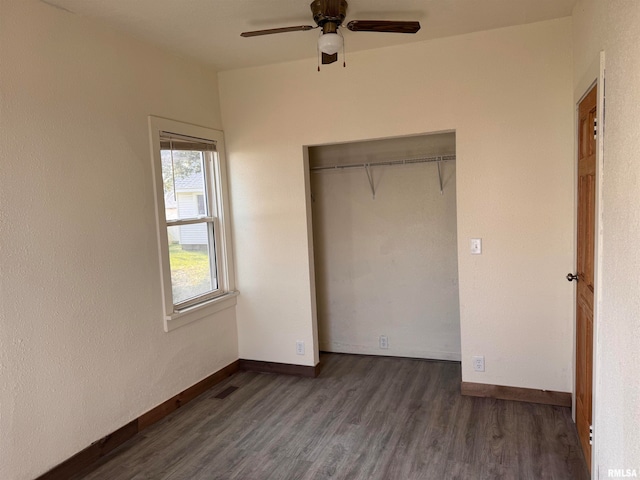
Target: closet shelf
(367, 166)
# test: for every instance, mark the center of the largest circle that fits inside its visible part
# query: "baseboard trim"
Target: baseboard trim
(281, 368)
(165, 408)
(336, 347)
(420, 359)
(518, 394)
(82, 461)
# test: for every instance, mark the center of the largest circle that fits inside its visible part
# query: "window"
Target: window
(193, 232)
(201, 207)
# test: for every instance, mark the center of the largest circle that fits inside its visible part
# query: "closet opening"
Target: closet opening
(385, 248)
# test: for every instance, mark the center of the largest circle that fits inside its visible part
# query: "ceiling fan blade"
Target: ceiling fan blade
(327, 59)
(257, 33)
(391, 26)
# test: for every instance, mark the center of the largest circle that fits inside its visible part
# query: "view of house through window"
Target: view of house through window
(190, 212)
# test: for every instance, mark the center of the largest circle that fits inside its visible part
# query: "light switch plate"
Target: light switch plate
(476, 246)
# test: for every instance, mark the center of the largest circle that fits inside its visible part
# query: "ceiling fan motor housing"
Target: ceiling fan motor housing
(329, 14)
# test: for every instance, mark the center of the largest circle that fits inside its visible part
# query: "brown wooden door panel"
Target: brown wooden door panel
(585, 268)
(586, 228)
(584, 381)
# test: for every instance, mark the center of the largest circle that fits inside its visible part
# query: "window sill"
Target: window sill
(191, 314)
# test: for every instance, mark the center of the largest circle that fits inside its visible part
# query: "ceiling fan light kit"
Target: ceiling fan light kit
(329, 15)
(330, 43)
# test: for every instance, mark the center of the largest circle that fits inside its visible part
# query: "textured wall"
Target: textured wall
(615, 28)
(507, 93)
(82, 346)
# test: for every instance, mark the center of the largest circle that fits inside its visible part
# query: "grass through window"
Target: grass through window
(190, 272)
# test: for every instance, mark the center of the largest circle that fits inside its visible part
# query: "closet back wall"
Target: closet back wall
(386, 266)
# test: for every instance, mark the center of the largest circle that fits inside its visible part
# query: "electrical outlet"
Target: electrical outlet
(478, 363)
(384, 341)
(299, 347)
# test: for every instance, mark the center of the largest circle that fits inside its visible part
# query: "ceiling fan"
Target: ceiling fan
(329, 15)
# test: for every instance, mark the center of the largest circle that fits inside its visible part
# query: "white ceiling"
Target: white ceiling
(209, 30)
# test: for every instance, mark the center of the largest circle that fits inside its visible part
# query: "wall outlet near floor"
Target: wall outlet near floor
(299, 347)
(478, 363)
(384, 341)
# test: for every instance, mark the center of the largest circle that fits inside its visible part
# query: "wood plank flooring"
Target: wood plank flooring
(363, 418)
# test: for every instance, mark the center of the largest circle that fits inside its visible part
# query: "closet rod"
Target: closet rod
(440, 158)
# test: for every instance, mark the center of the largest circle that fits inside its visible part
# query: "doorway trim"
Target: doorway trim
(598, 254)
(312, 246)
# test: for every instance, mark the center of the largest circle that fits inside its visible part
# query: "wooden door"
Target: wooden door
(585, 271)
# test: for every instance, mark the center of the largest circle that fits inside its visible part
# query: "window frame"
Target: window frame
(218, 224)
(209, 218)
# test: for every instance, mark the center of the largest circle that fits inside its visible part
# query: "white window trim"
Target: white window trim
(224, 254)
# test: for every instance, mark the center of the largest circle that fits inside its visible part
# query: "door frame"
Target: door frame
(595, 76)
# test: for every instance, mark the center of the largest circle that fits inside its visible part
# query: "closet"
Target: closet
(385, 246)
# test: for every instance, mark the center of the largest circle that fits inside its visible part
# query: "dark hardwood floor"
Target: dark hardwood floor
(363, 418)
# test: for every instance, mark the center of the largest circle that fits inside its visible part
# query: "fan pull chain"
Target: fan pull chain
(344, 56)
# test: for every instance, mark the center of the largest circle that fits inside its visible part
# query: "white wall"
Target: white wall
(508, 95)
(82, 346)
(389, 265)
(615, 28)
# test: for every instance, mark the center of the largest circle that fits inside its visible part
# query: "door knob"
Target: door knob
(571, 277)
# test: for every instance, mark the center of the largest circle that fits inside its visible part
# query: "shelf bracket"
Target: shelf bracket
(367, 168)
(440, 176)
